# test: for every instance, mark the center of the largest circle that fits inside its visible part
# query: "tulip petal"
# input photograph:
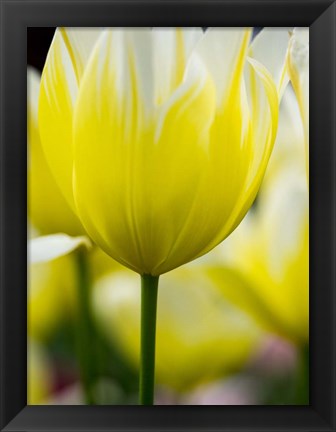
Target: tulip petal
(59, 87)
(48, 248)
(263, 118)
(108, 124)
(270, 49)
(133, 163)
(184, 124)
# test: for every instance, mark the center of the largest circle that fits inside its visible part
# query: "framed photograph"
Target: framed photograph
(167, 215)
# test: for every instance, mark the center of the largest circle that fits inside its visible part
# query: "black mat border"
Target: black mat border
(16, 16)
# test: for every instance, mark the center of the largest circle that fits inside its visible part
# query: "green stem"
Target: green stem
(149, 289)
(86, 339)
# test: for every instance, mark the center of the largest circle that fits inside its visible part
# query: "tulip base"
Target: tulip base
(149, 290)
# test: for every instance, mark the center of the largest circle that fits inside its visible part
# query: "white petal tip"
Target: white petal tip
(48, 248)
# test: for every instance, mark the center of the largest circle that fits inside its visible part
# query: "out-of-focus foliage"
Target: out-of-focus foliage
(102, 264)
(51, 295)
(52, 290)
(40, 374)
(200, 335)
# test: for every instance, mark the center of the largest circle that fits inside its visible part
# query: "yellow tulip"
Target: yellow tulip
(298, 67)
(270, 249)
(157, 139)
(47, 209)
(200, 335)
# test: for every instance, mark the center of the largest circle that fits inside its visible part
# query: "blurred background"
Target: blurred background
(233, 325)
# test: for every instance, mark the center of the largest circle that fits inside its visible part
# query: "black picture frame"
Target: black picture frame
(16, 16)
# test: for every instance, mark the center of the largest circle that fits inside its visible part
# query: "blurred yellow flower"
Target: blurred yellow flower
(156, 135)
(48, 211)
(298, 67)
(288, 149)
(271, 252)
(60, 281)
(51, 295)
(53, 279)
(200, 335)
(52, 285)
(270, 249)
